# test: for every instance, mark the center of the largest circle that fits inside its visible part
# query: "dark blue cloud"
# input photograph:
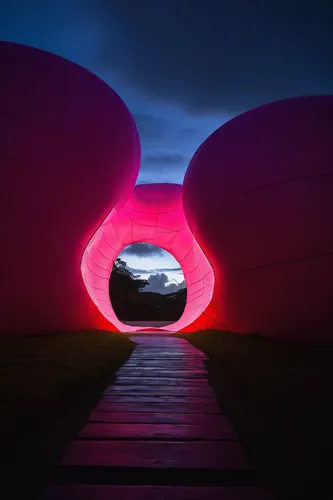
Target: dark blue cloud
(160, 283)
(184, 67)
(159, 270)
(164, 159)
(151, 126)
(76, 30)
(143, 250)
(214, 55)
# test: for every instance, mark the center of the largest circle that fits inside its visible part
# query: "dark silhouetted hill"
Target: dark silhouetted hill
(131, 304)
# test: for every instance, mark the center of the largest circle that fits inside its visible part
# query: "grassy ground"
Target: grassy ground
(279, 397)
(48, 384)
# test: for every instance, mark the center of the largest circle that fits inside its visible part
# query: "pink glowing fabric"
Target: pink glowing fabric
(258, 196)
(153, 214)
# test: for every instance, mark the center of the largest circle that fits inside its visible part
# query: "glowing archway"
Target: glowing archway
(153, 214)
(257, 197)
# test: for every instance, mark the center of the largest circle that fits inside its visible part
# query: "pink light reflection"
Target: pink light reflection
(153, 214)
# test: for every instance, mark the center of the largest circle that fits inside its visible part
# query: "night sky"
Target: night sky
(184, 67)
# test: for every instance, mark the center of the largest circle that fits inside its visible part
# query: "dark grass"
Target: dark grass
(278, 395)
(48, 385)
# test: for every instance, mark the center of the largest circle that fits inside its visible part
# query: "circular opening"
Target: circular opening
(147, 287)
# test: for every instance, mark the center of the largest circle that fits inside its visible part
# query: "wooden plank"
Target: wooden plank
(158, 407)
(157, 454)
(204, 391)
(83, 492)
(157, 417)
(179, 381)
(157, 431)
(162, 373)
(158, 399)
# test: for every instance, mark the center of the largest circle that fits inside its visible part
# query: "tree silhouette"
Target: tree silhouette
(129, 304)
(124, 281)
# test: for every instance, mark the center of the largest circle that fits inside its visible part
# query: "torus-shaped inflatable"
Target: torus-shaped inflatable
(153, 214)
(257, 199)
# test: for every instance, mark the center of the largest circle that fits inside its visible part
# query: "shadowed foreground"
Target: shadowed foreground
(47, 386)
(157, 433)
(278, 396)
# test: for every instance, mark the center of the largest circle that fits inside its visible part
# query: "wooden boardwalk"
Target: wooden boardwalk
(157, 433)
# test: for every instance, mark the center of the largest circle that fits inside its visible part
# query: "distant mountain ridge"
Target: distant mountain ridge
(131, 303)
(151, 306)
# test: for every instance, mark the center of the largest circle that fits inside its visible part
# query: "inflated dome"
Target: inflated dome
(258, 196)
(69, 151)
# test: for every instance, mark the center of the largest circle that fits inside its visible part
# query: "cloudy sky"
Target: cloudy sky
(156, 265)
(184, 67)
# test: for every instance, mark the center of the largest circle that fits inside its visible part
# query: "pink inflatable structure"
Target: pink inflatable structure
(255, 242)
(153, 214)
(258, 196)
(69, 151)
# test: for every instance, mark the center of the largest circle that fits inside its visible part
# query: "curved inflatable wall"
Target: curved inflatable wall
(69, 150)
(153, 214)
(258, 196)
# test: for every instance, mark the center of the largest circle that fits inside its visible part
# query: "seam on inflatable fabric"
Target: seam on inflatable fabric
(266, 186)
(92, 272)
(94, 233)
(97, 265)
(151, 213)
(280, 263)
(103, 234)
(104, 256)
